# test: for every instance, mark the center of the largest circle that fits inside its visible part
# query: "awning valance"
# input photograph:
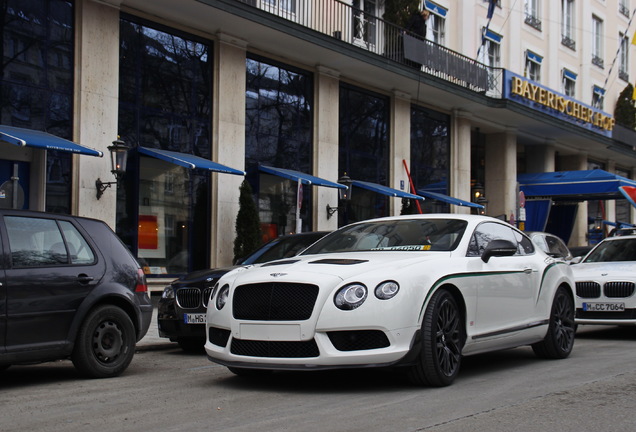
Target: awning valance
(43, 140)
(189, 161)
(299, 176)
(385, 190)
(582, 185)
(448, 199)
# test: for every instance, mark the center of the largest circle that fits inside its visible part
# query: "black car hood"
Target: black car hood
(199, 275)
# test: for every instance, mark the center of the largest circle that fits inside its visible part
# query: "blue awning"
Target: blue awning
(582, 185)
(297, 175)
(38, 139)
(435, 8)
(189, 161)
(448, 199)
(385, 190)
(532, 56)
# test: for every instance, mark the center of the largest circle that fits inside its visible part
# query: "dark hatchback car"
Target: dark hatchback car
(69, 288)
(183, 305)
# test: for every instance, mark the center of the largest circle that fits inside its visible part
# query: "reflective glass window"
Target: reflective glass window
(364, 150)
(278, 133)
(37, 82)
(163, 210)
(430, 155)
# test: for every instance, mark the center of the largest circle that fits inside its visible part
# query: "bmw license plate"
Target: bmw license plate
(194, 318)
(604, 307)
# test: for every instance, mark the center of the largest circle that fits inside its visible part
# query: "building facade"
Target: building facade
(326, 88)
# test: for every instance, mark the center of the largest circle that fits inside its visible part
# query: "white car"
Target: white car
(413, 291)
(605, 282)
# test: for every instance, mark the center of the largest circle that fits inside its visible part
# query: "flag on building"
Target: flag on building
(491, 8)
(634, 39)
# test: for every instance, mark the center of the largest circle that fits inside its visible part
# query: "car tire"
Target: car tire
(559, 339)
(190, 345)
(250, 373)
(442, 341)
(105, 344)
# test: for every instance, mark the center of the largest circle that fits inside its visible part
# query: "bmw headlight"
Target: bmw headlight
(168, 292)
(221, 297)
(350, 296)
(387, 290)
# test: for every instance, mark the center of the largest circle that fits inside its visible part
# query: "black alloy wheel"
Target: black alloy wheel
(559, 339)
(443, 337)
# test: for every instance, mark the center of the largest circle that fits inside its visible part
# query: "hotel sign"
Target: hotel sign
(540, 98)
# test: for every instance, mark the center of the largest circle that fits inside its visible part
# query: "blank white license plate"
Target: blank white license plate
(604, 307)
(194, 318)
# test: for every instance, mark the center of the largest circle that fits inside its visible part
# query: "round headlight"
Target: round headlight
(168, 292)
(221, 297)
(350, 296)
(387, 290)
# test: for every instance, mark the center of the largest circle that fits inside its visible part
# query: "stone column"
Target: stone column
(577, 162)
(96, 105)
(228, 144)
(460, 159)
(501, 174)
(400, 147)
(326, 120)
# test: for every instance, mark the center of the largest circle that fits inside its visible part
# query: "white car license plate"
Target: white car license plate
(194, 318)
(604, 307)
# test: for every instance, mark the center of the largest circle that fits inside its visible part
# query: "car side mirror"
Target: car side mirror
(576, 260)
(497, 248)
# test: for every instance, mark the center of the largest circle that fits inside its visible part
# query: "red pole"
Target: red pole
(408, 174)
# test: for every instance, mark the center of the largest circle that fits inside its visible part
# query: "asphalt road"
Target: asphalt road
(168, 390)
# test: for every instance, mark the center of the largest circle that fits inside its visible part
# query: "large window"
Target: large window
(569, 83)
(164, 103)
(37, 82)
(278, 133)
(597, 41)
(430, 155)
(364, 150)
(365, 23)
(533, 13)
(567, 23)
(533, 66)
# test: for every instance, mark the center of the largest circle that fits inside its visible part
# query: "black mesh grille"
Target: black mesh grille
(618, 289)
(188, 298)
(277, 349)
(273, 301)
(218, 336)
(358, 340)
(588, 289)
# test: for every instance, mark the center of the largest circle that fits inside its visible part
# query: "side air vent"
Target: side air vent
(338, 261)
(277, 263)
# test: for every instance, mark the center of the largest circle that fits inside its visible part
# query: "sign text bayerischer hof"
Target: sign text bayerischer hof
(569, 107)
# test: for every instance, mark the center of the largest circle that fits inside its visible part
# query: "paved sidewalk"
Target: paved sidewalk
(152, 341)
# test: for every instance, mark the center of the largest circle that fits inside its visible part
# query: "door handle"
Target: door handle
(84, 279)
(527, 271)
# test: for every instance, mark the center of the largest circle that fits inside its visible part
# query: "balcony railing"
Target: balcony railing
(596, 60)
(371, 33)
(624, 9)
(533, 21)
(568, 42)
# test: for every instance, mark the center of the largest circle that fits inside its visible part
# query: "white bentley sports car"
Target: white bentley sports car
(417, 292)
(605, 283)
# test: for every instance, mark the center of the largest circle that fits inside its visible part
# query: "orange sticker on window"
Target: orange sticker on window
(148, 234)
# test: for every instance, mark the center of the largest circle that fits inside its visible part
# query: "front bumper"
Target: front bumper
(317, 353)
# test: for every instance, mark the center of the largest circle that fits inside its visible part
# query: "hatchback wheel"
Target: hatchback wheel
(105, 344)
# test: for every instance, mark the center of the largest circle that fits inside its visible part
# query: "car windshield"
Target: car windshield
(393, 235)
(283, 247)
(617, 250)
